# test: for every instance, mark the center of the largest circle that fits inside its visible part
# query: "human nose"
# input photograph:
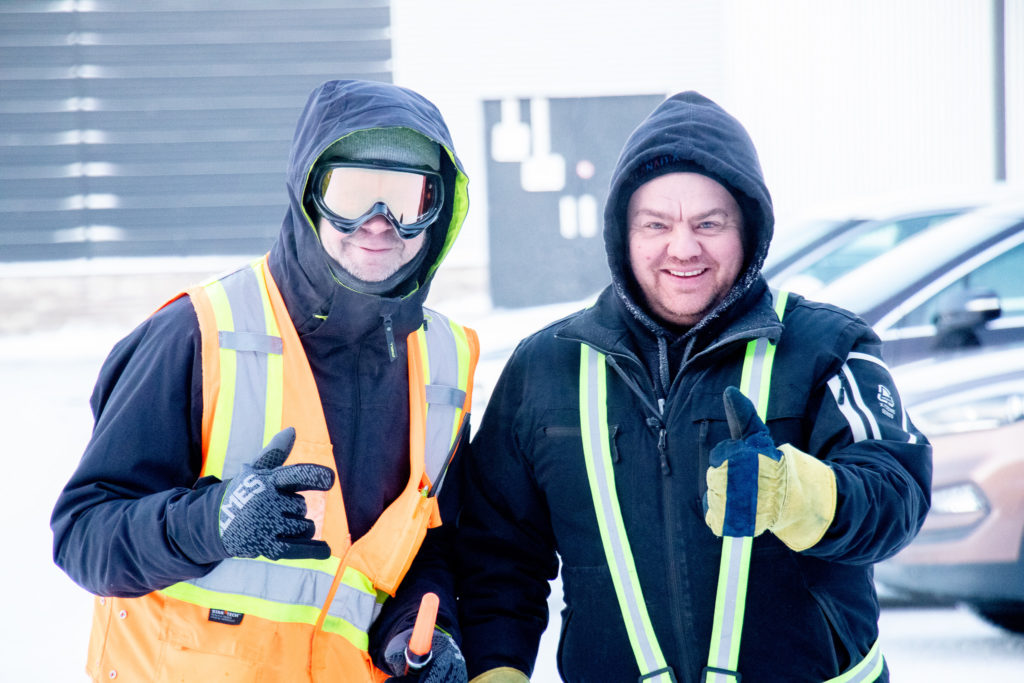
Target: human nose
(378, 225)
(683, 244)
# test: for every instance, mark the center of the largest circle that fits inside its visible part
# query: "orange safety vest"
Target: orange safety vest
(289, 620)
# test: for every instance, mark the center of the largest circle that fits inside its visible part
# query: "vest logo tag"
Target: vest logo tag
(223, 616)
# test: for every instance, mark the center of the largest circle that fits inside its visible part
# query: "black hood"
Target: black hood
(301, 267)
(688, 132)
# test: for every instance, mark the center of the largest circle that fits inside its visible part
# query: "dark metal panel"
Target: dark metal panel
(163, 127)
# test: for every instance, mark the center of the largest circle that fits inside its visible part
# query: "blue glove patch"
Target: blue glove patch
(750, 437)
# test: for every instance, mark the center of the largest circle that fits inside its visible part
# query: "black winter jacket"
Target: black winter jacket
(129, 521)
(528, 504)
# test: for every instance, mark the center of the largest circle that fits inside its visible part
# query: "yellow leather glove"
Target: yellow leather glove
(505, 674)
(784, 490)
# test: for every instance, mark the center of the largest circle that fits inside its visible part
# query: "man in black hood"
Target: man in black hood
(261, 496)
(647, 443)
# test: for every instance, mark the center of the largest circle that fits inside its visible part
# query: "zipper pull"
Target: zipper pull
(663, 451)
(389, 336)
(655, 423)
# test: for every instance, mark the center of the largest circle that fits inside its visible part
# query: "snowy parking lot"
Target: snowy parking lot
(47, 378)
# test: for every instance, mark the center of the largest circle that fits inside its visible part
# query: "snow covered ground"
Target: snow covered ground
(45, 382)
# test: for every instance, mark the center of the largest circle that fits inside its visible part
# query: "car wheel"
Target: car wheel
(1008, 615)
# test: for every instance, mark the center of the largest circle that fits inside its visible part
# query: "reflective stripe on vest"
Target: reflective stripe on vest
(249, 412)
(734, 566)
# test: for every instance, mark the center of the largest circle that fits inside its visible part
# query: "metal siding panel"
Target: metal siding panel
(163, 128)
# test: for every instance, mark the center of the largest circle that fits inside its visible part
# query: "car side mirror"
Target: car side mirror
(961, 314)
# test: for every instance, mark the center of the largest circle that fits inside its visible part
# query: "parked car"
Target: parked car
(809, 254)
(957, 284)
(971, 547)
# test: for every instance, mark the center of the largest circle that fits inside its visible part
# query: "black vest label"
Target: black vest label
(223, 616)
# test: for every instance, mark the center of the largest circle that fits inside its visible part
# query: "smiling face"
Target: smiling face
(373, 252)
(685, 245)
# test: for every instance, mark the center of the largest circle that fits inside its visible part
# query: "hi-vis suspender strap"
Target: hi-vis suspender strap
(597, 453)
(732, 585)
(734, 568)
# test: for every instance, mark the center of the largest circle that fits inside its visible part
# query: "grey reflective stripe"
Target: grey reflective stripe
(448, 396)
(442, 367)
(250, 392)
(247, 341)
(601, 475)
(356, 607)
(267, 580)
(759, 380)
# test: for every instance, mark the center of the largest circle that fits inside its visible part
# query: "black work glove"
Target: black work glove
(260, 511)
(445, 665)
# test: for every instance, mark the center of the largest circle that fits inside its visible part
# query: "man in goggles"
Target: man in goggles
(376, 192)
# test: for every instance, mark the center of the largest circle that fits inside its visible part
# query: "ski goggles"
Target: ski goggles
(349, 193)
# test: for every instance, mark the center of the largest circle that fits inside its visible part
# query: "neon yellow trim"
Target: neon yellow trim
(421, 340)
(353, 578)
(275, 363)
(265, 609)
(462, 349)
(225, 401)
(748, 368)
(340, 627)
(460, 207)
(590, 459)
(873, 661)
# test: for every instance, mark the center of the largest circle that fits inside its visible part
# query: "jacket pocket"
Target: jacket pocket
(197, 648)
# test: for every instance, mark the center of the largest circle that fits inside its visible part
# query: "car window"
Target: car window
(867, 246)
(1001, 274)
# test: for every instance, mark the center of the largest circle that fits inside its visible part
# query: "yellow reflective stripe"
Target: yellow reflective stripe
(421, 339)
(462, 349)
(265, 609)
(600, 473)
(339, 626)
(358, 580)
(866, 670)
(275, 363)
(220, 430)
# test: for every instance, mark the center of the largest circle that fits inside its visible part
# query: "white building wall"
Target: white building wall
(844, 98)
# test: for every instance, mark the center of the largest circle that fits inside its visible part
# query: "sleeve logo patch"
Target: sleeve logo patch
(886, 402)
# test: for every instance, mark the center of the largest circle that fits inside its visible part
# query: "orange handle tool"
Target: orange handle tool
(418, 653)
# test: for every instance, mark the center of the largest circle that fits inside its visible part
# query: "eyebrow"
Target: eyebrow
(717, 211)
